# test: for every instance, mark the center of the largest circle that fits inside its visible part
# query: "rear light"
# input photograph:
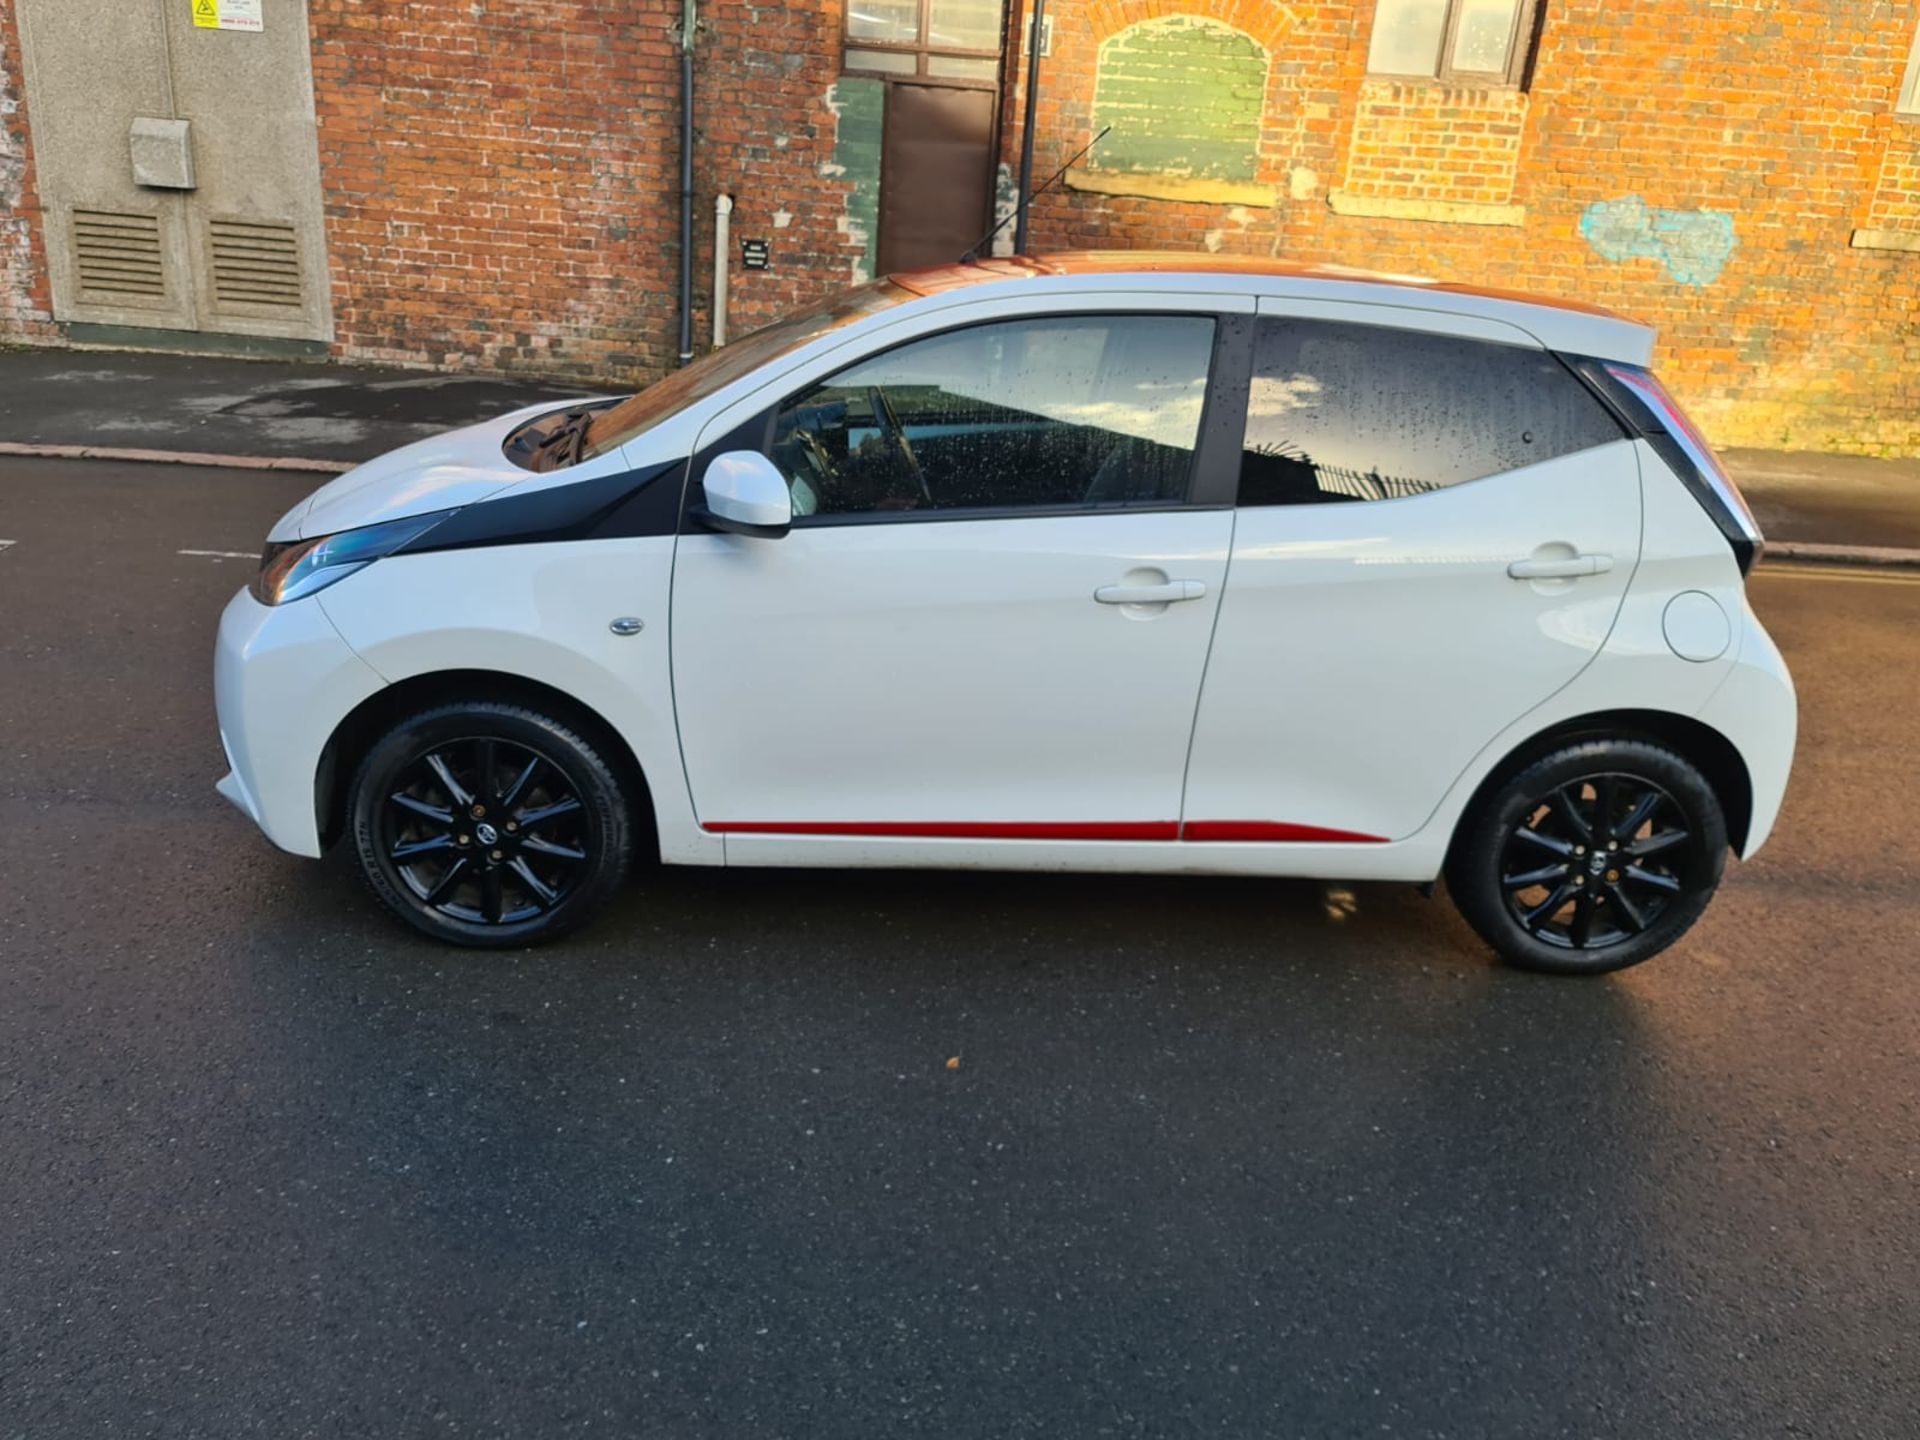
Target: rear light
(1650, 409)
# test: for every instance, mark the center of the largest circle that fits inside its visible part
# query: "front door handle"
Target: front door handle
(1570, 568)
(1166, 593)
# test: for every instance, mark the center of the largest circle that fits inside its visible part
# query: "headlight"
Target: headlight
(296, 568)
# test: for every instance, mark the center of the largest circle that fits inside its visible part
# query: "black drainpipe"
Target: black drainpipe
(686, 182)
(1023, 193)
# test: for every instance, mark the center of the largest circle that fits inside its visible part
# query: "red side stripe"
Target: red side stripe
(1274, 832)
(953, 830)
(1253, 831)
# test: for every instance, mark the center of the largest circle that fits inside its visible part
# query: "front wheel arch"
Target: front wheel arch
(381, 711)
(1700, 745)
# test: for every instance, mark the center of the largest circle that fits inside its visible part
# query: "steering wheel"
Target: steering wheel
(896, 436)
(824, 472)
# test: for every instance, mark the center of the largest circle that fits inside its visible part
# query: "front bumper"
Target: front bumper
(283, 681)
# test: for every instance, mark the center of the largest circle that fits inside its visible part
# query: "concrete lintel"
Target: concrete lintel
(1887, 240)
(1172, 187)
(1442, 212)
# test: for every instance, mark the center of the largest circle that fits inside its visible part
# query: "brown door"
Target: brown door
(936, 174)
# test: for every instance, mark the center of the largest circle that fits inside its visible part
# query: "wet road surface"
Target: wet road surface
(1220, 1157)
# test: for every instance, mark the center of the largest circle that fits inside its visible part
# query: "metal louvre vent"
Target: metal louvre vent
(118, 256)
(255, 263)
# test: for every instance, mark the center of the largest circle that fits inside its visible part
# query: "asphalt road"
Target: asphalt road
(1221, 1158)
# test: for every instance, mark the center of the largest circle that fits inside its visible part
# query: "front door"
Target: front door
(991, 616)
(936, 174)
(1375, 636)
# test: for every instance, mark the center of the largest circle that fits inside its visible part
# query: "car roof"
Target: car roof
(1564, 325)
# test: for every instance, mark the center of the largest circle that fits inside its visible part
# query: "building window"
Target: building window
(1464, 42)
(1184, 96)
(950, 40)
(1910, 87)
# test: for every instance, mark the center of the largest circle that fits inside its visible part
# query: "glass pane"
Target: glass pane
(1406, 37)
(963, 67)
(1092, 410)
(1362, 412)
(891, 62)
(1484, 40)
(964, 24)
(719, 368)
(1910, 90)
(893, 22)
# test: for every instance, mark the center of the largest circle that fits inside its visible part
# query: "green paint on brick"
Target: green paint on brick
(861, 107)
(1184, 97)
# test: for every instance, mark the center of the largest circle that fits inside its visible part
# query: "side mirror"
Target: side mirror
(747, 495)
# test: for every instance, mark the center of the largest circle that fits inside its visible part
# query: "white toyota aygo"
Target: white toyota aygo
(1096, 562)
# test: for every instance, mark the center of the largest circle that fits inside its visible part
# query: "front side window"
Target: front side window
(1362, 412)
(1090, 410)
(1463, 41)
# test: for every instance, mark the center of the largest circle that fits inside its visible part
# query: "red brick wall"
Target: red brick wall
(1776, 116)
(502, 182)
(26, 306)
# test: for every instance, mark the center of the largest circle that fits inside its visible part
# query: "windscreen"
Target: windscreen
(720, 368)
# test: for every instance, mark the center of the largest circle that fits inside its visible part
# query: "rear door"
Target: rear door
(991, 616)
(1415, 509)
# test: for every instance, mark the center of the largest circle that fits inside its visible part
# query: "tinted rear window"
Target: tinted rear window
(1365, 412)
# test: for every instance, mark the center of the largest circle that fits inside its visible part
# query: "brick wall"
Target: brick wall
(1699, 164)
(500, 180)
(1896, 195)
(502, 186)
(1435, 142)
(26, 306)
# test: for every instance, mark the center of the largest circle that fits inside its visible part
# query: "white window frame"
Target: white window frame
(1519, 54)
(1908, 102)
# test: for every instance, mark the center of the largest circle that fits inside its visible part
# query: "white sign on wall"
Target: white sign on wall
(228, 15)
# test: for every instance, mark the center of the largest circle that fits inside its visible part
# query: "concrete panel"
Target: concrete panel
(91, 67)
(258, 234)
(162, 153)
(244, 251)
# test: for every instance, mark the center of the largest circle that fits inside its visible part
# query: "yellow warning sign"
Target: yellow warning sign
(228, 15)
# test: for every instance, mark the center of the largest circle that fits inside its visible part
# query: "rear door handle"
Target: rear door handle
(1165, 594)
(1570, 568)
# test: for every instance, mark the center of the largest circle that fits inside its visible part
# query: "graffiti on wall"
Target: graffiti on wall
(1694, 245)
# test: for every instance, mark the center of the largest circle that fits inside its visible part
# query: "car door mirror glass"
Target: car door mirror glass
(746, 495)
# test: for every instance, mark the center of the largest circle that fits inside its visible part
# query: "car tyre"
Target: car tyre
(490, 825)
(1591, 858)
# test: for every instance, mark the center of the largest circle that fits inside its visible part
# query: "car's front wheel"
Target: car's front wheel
(489, 824)
(1591, 858)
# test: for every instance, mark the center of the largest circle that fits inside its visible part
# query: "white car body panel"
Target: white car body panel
(462, 467)
(547, 621)
(282, 680)
(1365, 652)
(943, 672)
(1339, 673)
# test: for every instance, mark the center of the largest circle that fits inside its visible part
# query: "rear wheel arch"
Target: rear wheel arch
(1699, 744)
(363, 726)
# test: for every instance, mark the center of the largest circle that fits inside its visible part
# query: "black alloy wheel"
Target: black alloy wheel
(489, 825)
(1593, 858)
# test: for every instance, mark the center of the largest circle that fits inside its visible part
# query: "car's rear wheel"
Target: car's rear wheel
(1591, 858)
(489, 825)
